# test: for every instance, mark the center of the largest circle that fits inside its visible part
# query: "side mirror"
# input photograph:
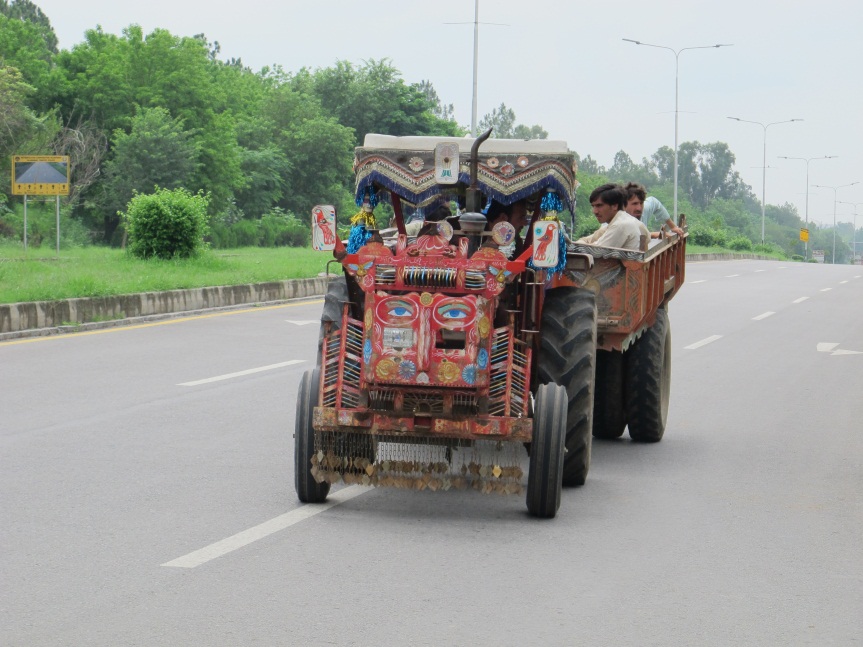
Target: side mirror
(323, 228)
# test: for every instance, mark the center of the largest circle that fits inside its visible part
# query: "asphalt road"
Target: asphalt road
(146, 503)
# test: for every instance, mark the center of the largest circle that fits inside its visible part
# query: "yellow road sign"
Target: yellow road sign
(804, 235)
(40, 175)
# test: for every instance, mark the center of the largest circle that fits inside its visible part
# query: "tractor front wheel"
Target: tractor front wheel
(308, 489)
(547, 449)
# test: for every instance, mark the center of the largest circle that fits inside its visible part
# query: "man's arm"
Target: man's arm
(654, 206)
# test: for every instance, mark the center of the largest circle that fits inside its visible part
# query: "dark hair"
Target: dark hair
(633, 189)
(612, 194)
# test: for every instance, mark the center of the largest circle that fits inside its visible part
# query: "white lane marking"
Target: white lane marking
(857, 277)
(250, 371)
(841, 282)
(826, 289)
(246, 537)
(760, 270)
(699, 281)
(800, 300)
(731, 276)
(826, 347)
(846, 352)
(703, 342)
(303, 322)
(782, 268)
(763, 316)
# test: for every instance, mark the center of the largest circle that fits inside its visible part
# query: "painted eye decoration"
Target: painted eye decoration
(454, 313)
(396, 311)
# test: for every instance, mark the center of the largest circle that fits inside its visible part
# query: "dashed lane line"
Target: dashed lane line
(763, 316)
(731, 276)
(800, 300)
(826, 289)
(250, 371)
(703, 342)
(699, 281)
(246, 537)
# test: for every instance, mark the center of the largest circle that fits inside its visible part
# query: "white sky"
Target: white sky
(564, 66)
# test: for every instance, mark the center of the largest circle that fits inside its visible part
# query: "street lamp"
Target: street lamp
(676, 53)
(764, 166)
(835, 188)
(807, 160)
(854, 233)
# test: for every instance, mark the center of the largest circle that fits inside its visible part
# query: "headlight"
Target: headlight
(398, 337)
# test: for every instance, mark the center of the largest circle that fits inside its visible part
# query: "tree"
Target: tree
(23, 46)
(438, 109)
(373, 98)
(706, 172)
(22, 131)
(26, 11)
(157, 153)
(502, 120)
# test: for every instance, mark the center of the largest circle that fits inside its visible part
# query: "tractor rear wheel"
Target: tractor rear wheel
(545, 475)
(567, 357)
(647, 382)
(609, 415)
(308, 489)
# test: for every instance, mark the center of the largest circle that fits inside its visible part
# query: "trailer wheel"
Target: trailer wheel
(567, 357)
(648, 381)
(545, 475)
(308, 489)
(609, 415)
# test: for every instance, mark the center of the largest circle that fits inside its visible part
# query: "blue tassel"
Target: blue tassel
(358, 238)
(561, 255)
(551, 202)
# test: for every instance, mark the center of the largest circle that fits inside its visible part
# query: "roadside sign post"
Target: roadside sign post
(41, 175)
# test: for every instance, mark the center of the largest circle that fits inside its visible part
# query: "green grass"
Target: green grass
(40, 275)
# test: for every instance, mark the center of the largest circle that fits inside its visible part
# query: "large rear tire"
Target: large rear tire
(308, 489)
(547, 449)
(609, 414)
(567, 357)
(648, 381)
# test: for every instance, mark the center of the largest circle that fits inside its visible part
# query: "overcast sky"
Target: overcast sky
(564, 66)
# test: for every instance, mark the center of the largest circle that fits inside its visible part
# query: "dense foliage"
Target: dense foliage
(135, 111)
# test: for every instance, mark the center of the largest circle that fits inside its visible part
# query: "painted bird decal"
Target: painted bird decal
(543, 242)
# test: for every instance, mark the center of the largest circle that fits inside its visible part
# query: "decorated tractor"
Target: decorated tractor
(450, 359)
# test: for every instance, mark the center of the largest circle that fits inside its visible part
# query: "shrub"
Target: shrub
(796, 257)
(740, 244)
(166, 224)
(705, 236)
(768, 248)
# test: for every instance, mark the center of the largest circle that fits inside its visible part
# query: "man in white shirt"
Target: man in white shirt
(617, 228)
(638, 205)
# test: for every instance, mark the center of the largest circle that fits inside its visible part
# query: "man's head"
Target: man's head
(606, 201)
(636, 194)
(515, 213)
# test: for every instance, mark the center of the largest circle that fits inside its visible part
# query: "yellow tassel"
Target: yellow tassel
(366, 216)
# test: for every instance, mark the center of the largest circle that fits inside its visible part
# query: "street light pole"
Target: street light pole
(676, 53)
(475, 57)
(807, 160)
(764, 166)
(853, 233)
(835, 189)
